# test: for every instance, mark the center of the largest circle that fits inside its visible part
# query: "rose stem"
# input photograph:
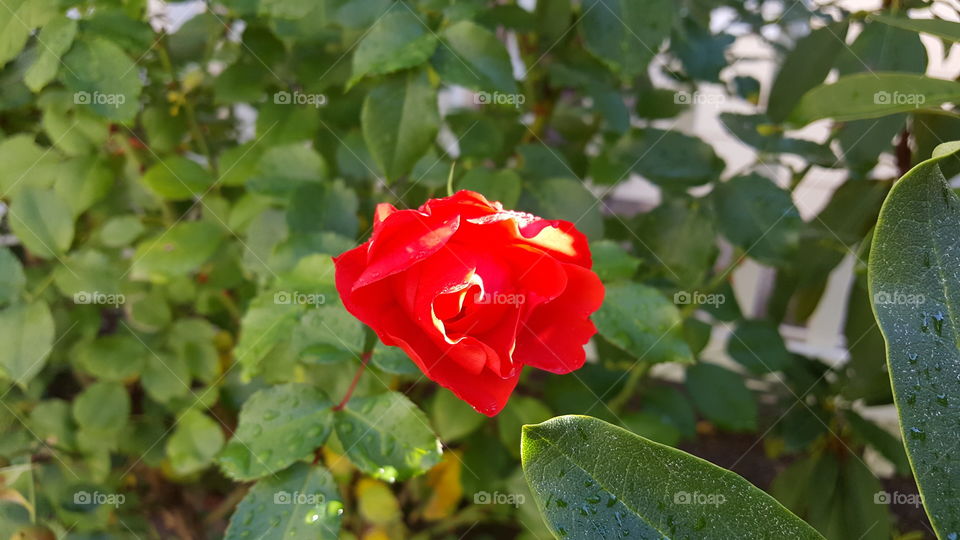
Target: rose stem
(364, 358)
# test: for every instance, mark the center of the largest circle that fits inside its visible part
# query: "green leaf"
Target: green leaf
(194, 443)
(595, 480)
(86, 275)
(470, 55)
(316, 207)
(12, 279)
(721, 396)
(642, 322)
(399, 40)
(870, 95)
(806, 66)
(759, 217)
(83, 181)
(103, 407)
(626, 34)
(569, 199)
(300, 503)
(452, 417)
(56, 38)
(43, 222)
(27, 332)
(611, 262)
(400, 121)
(24, 163)
(165, 377)
(177, 178)
(387, 436)
(757, 346)
(678, 237)
(179, 250)
(948, 30)
(113, 358)
(18, 18)
(277, 427)
(103, 78)
(393, 360)
(915, 293)
(121, 231)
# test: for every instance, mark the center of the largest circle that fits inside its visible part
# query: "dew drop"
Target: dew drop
(917, 434)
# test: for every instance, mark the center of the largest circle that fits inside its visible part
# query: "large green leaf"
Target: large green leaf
(642, 322)
(103, 78)
(721, 396)
(759, 217)
(300, 503)
(400, 121)
(386, 435)
(869, 95)
(397, 41)
(641, 489)
(277, 426)
(916, 297)
(26, 332)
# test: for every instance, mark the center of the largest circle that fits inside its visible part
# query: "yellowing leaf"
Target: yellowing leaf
(444, 479)
(377, 503)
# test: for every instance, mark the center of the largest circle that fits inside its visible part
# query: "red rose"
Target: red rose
(473, 292)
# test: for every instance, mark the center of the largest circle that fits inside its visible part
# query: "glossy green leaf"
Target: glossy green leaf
(757, 346)
(299, 503)
(591, 479)
(503, 186)
(277, 426)
(759, 217)
(387, 436)
(915, 292)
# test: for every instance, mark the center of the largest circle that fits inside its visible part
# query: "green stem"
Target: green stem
(620, 400)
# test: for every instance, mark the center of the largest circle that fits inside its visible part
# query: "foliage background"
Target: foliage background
(172, 342)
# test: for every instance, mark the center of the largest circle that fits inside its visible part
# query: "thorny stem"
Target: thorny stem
(364, 358)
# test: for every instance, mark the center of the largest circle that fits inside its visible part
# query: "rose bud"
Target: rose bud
(473, 292)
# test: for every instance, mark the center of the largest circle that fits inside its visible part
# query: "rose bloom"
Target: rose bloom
(473, 292)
